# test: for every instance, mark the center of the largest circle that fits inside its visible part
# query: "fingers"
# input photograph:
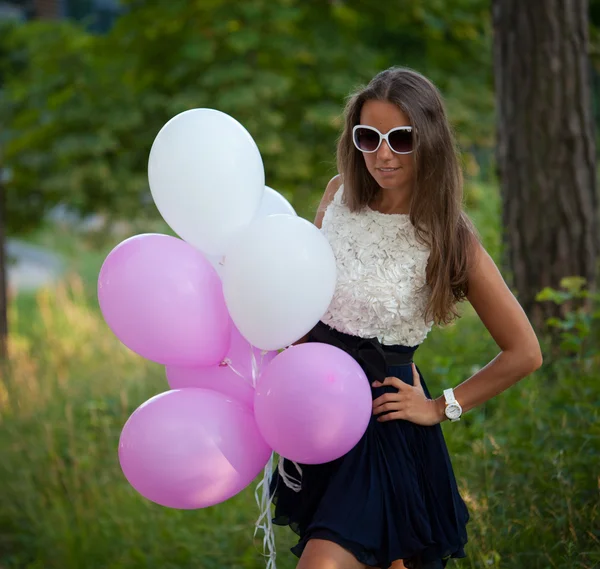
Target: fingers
(392, 381)
(386, 406)
(394, 416)
(386, 402)
(393, 406)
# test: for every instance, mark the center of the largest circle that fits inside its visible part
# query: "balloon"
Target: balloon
(217, 378)
(206, 177)
(273, 202)
(191, 448)
(313, 403)
(217, 262)
(278, 280)
(233, 379)
(164, 301)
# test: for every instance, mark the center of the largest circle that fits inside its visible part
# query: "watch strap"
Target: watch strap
(449, 396)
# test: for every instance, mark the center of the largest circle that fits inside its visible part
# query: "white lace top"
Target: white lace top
(381, 290)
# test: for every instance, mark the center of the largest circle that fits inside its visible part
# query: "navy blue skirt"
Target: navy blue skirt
(393, 496)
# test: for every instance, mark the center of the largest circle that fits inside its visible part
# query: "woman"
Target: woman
(406, 254)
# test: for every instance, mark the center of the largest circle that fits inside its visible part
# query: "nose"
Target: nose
(384, 152)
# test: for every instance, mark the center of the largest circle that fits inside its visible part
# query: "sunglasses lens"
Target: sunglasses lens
(401, 141)
(365, 139)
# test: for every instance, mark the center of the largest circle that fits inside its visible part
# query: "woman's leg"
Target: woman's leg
(323, 554)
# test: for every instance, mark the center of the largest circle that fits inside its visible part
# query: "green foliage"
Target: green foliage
(81, 111)
(579, 328)
(448, 41)
(72, 120)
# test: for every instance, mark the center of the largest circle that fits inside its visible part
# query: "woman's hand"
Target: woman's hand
(409, 403)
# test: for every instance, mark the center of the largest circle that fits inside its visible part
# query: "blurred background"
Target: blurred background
(85, 86)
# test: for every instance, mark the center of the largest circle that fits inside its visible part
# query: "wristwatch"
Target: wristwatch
(453, 409)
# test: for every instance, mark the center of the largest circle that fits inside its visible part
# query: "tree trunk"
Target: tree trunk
(3, 279)
(546, 147)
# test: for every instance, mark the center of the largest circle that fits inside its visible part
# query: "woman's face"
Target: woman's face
(391, 171)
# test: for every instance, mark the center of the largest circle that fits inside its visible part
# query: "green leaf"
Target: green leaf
(551, 295)
(574, 284)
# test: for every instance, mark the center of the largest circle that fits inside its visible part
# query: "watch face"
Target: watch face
(453, 411)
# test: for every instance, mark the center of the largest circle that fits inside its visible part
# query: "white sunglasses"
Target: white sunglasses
(368, 139)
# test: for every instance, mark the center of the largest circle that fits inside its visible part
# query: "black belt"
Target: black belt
(368, 352)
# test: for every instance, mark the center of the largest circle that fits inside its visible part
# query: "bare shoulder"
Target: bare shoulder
(485, 280)
(482, 269)
(332, 187)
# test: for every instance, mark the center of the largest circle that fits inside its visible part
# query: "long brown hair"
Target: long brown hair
(436, 204)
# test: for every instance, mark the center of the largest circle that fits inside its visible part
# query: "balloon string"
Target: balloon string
(292, 483)
(264, 499)
(263, 494)
(227, 362)
(265, 522)
(263, 353)
(255, 367)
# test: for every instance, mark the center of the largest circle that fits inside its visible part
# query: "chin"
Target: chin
(391, 184)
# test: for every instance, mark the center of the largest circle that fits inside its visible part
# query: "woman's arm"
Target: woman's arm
(506, 321)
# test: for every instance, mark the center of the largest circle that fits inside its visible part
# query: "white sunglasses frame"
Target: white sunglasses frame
(381, 138)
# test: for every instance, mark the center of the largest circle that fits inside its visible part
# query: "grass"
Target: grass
(65, 502)
(528, 462)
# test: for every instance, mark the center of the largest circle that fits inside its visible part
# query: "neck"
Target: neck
(392, 201)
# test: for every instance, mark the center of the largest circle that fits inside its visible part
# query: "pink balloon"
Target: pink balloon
(313, 403)
(191, 448)
(218, 378)
(233, 379)
(163, 300)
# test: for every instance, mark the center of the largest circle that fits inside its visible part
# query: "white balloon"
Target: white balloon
(273, 202)
(278, 279)
(206, 177)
